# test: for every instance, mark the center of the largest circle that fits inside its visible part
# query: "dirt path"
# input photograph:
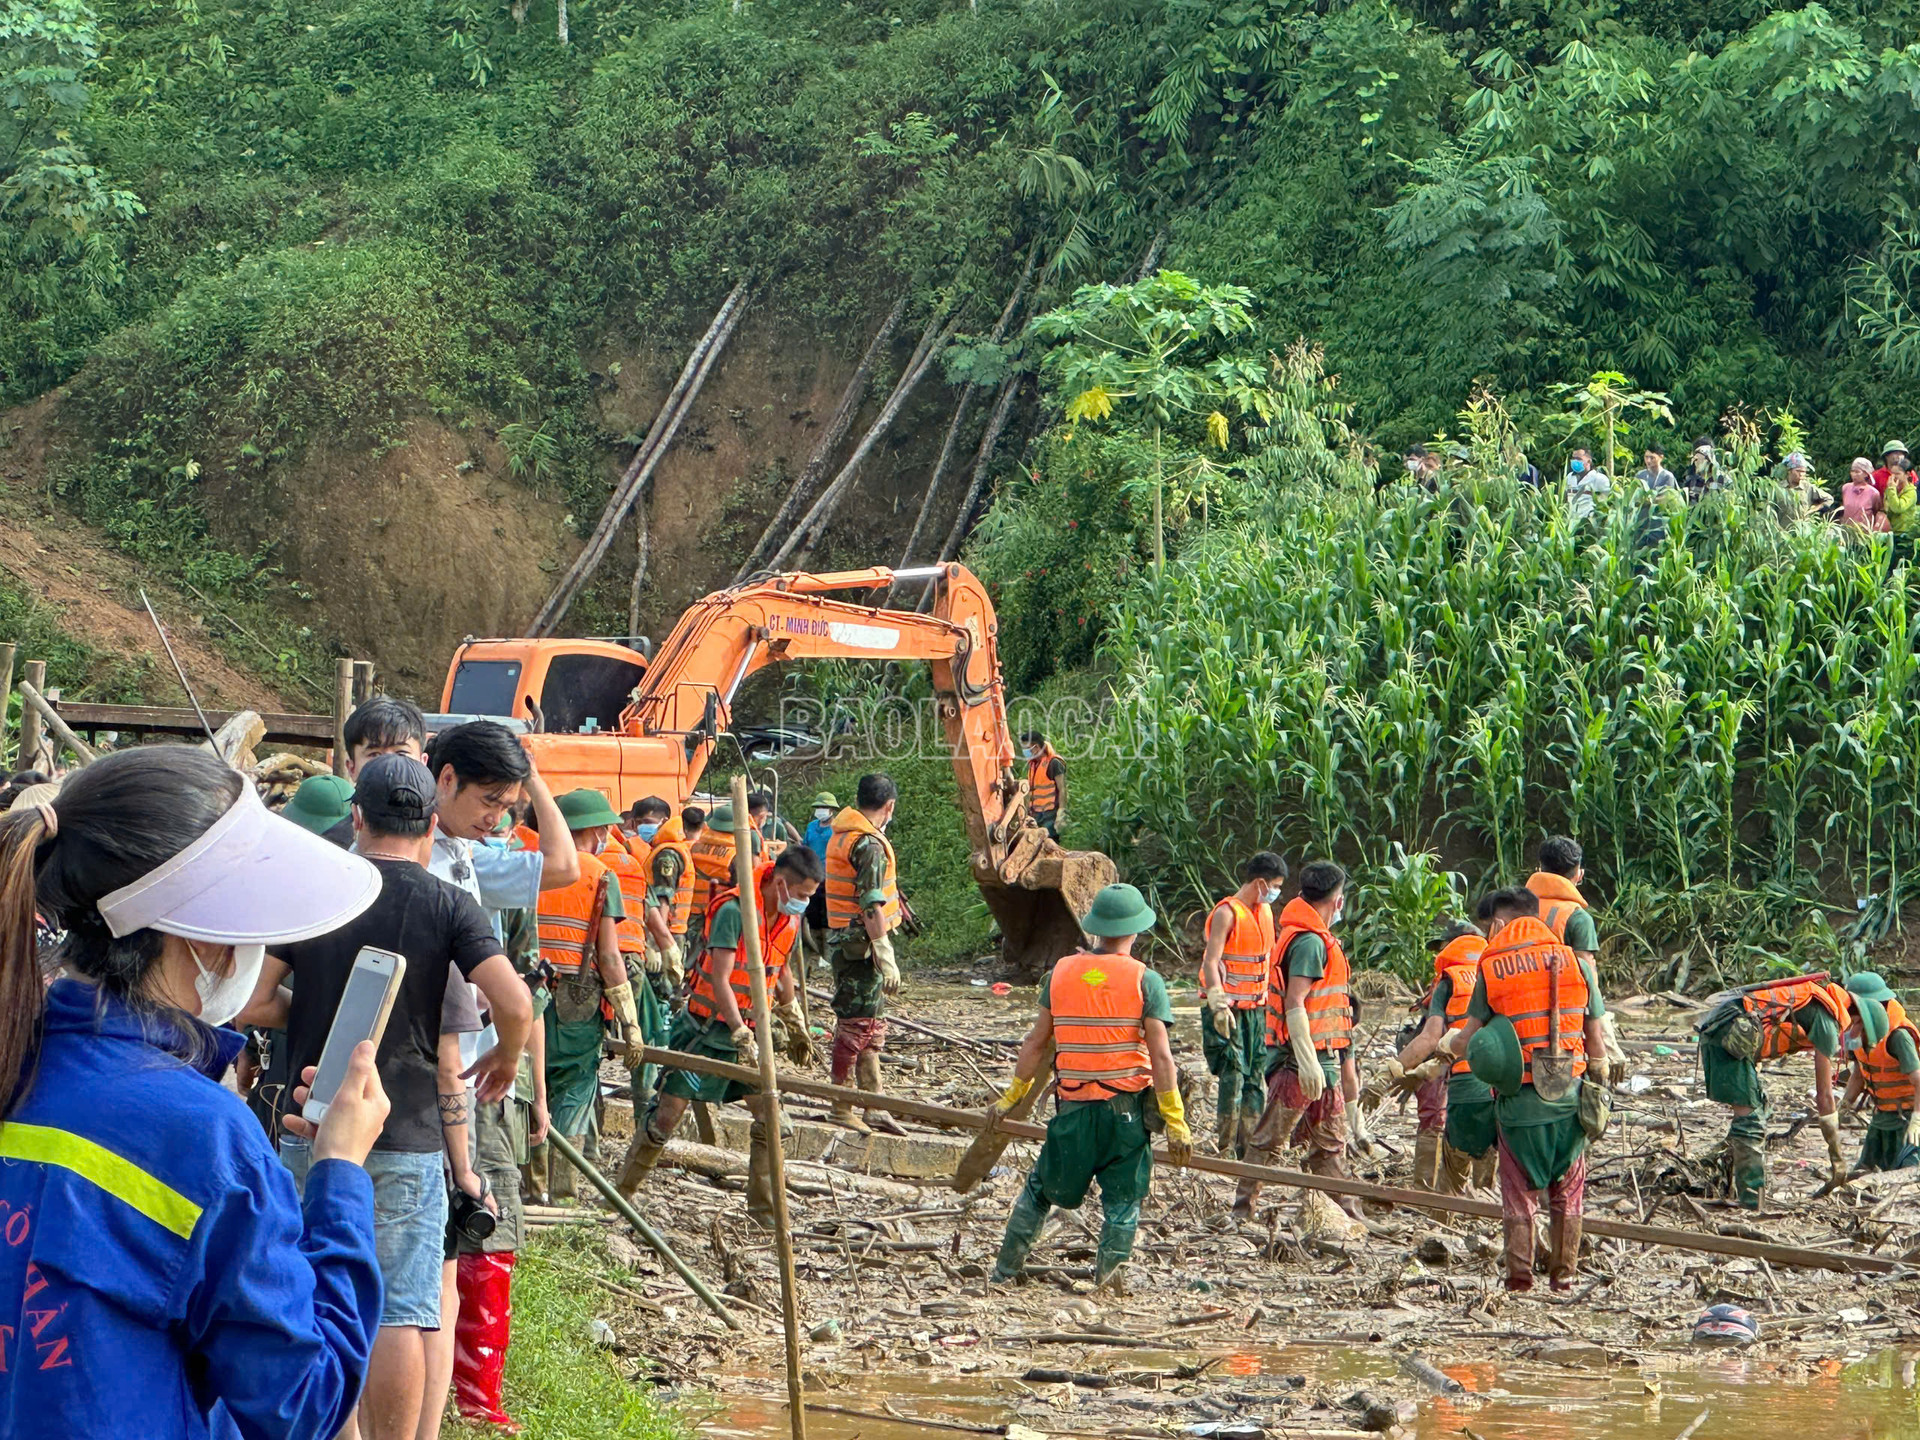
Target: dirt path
(94, 588)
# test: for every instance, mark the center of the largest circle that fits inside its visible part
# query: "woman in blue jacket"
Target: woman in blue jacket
(157, 1275)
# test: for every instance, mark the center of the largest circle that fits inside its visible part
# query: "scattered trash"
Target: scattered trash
(1638, 1084)
(827, 1331)
(1853, 1315)
(1730, 1325)
(1001, 988)
(978, 984)
(601, 1333)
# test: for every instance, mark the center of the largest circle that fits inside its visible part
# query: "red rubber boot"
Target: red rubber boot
(480, 1339)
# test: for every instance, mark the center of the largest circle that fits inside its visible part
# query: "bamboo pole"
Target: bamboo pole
(946, 1116)
(982, 465)
(6, 689)
(646, 1232)
(768, 1098)
(342, 707)
(46, 711)
(31, 726)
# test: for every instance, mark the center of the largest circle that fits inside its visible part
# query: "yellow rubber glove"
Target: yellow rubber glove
(742, 1037)
(656, 962)
(620, 997)
(1173, 1112)
(888, 966)
(1913, 1127)
(1220, 1008)
(1306, 1060)
(676, 958)
(1015, 1092)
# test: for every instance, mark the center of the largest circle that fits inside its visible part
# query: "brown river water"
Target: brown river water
(1747, 1397)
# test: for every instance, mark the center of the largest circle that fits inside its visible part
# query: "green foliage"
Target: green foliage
(78, 670)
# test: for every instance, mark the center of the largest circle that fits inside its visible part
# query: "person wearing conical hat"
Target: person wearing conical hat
(1107, 1015)
(1884, 1046)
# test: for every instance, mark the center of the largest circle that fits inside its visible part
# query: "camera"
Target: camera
(471, 1219)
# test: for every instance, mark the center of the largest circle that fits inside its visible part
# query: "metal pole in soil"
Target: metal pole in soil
(768, 1098)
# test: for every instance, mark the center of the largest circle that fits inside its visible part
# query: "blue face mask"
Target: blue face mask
(1026, 752)
(793, 907)
(1578, 467)
(646, 829)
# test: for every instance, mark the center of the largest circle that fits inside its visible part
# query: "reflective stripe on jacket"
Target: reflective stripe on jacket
(1559, 898)
(1043, 792)
(1248, 953)
(1891, 1087)
(1099, 1007)
(712, 854)
(633, 883)
(672, 835)
(568, 915)
(1515, 967)
(843, 898)
(777, 936)
(1328, 1005)
(1773, 1009)
(1459, 962)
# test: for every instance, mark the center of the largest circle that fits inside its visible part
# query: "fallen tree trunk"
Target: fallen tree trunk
(830, 438)
(640, 469)
(1802, 1257)
(982, 465)
(44, 709)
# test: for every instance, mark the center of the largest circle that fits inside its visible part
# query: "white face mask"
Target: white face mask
(1271, 894)
(224, 996)
(823, 813)
(1338, 912)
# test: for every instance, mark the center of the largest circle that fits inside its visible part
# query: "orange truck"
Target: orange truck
(611, 718)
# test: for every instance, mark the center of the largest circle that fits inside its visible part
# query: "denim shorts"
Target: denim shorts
(409, 1227)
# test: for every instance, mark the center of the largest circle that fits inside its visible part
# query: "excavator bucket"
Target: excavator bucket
(1038, 897)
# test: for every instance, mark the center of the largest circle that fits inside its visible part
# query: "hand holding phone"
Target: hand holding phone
(361, 1016)
(356, 1116)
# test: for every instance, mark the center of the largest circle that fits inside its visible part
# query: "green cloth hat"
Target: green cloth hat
(584, 809)
(720, 818)
(1117, 911)
(1493, 1055)
(1868, 985)
(825, 797)
(321, 802)
(1870, 996)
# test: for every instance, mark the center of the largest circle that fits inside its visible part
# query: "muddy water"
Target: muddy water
(1748, 1398)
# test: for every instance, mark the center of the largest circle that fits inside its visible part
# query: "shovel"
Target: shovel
(1552, 1066)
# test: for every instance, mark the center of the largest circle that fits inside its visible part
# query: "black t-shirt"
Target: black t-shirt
(438, 927)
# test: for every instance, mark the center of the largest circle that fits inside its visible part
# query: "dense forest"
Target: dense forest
(235, 233)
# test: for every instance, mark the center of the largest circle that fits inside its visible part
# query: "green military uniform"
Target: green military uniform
(1471, 1126)
(1104, 1140)
(1583, 936)
(1544, 1136)
(574, 1034)
(1239, 1063)
(1886, 1145)
(693, 1036)
(1306, 955)
(1735, 1080)
(857, 993)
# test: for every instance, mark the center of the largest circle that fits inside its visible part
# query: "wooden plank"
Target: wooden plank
(166, 720)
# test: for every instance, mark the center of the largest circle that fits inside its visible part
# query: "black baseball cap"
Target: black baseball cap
(394, 792)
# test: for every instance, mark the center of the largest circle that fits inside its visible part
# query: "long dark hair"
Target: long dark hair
(116, 820)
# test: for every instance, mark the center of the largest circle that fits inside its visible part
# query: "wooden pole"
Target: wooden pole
(1803, 1257)
(31, 726)
(769, 1098)
(44, 708)
(6, 689)
(342, 707)
(362, 681)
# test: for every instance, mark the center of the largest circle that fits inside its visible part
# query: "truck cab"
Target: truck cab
(561, 687)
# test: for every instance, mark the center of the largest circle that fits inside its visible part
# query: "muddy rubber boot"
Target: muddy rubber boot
(759, 1174)
(1456, 1169)
(539, 1189)
(1486, 1170)
(1334, 1163)
(565, 1181)
(867, 1067)
(1518, 1234)
(1119, 1222)
(1563, 1250)
(1023, 1228)
(1273, 1130)
(843, 1113)
(642, 1155)
(1248, 1124)
(1226, 1127)
(1426, 1160)
(1747, 1159)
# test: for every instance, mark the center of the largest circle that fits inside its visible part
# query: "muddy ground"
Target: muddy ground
(1294, 1325)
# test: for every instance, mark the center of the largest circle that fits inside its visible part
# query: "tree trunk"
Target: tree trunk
(799, 545)
(641, 544)
(782, 523)
(659, 437)
(1159, 518)
(1152, 257)
(982, 464)
(562, 26)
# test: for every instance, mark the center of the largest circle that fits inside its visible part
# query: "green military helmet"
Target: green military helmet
(1118, 910)
(321, 802)
(584, 809)
(1870, 996)
(1494, 1056)
(720, 818)
(825, 797)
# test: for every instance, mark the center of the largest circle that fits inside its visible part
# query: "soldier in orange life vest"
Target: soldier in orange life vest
(718, 1020)
(1543, 1143)
(1233, 984)
(1884, 1046)
(673, 885)
(1046, 783)
(712, 853)
(1107, 1015)
(579, 939)
(1309, 1024)
(863, 911)
(1563, 909)
(1454, 1145)
(1767, 1022)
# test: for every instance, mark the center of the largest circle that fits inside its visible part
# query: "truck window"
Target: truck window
(580, 688)
(484, 687)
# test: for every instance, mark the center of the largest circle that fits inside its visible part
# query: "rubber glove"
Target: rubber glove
(1913, 1127)
(888, 966)
(742, 1036)
(1830, 1132)
(799, 1041)
(1313, 1080)
(1362, 1138)
(1173, 1113)
(676, 958)
(656, 962)
(1374, 1095)
(620, 997)
(1220, 1006)
(1429, 1069)
(1015, 1092)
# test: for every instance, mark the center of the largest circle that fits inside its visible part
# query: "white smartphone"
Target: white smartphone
(364, 1006)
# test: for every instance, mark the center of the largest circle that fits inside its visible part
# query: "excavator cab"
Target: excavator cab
(562, 687)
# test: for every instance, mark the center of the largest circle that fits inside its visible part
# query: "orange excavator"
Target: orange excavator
(608, 717)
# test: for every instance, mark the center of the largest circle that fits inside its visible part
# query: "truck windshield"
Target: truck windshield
(583, 688)
(484, 687)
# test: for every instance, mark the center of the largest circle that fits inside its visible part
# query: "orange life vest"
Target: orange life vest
(1043, 793)
(843, 899)
(777, 935)
(528, 840)
(1515, 970)
(567, 917)
(1099, 1007)
(1559, 898)
(672, 835)
(1891, 1087)
(632, 873)
(1329, 1008)
(1773, 1009)
(1248, 952)
(1458, 962)
(712, 864)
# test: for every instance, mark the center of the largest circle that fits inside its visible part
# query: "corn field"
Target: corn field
(1720, 707)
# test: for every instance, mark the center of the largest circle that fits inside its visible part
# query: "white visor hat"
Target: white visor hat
(252, 879)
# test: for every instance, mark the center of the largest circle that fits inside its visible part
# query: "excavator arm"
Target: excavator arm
(1035, 889)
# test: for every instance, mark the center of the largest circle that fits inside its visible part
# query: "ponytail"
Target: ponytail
(22, 992)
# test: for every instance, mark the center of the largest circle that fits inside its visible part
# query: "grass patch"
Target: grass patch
(560, 1385)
